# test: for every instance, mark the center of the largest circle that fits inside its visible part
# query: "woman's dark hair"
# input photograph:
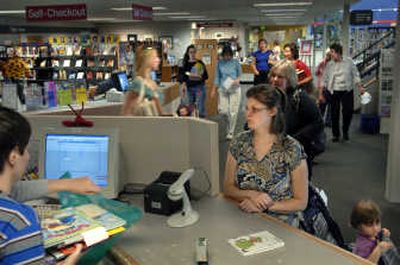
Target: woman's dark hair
(271, 97)
(186, 56)
(293, 49)
(262, 40)
(227, 50)
(365, 212)
(15, 132)
(337, 48)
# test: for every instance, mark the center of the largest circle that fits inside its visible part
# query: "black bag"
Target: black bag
(318, 221)
(317, 146)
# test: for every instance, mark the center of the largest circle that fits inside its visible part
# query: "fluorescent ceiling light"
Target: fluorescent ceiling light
(282, 15)
(172, 14)
(187, 17)
(159, 8)
(283, 4)
(283, 10)
(101, 19)
(12, 11)
(121, 8)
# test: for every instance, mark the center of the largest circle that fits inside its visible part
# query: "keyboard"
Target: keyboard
(45, 210)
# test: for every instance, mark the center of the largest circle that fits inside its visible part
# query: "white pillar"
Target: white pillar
(392, 191)
(345, 27)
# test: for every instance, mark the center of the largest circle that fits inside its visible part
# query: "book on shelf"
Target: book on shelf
(256, 243)
(80, 75)
(66, 63)
(78, 63)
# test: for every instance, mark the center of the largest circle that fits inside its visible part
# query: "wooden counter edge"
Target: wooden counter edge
(302, 233)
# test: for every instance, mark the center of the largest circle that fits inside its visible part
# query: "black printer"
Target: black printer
(156, 194)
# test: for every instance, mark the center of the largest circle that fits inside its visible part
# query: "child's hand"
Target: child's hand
(74, 257)
(386, 232)
(384, 246)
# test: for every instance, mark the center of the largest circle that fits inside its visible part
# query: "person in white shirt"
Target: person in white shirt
(340, 77)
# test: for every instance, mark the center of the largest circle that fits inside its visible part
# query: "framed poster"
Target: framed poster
(306, 47)
(167, 41)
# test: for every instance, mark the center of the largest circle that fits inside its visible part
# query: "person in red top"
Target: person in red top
(304, 76)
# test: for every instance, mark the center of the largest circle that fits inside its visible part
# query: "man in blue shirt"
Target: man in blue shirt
(260, 63)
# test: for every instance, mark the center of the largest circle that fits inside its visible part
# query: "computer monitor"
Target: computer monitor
(91, 152)
(121, 81)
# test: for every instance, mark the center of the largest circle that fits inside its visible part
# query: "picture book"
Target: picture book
(256, 243)
(102, 216)
(66, 227)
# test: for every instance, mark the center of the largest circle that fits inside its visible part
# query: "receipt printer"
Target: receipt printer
(156, 194)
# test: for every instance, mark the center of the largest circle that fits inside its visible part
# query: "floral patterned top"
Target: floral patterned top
(271, 174)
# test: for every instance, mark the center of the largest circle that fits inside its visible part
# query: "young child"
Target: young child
(372, 241)
(21, 239)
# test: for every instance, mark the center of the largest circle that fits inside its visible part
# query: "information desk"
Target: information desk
(151, 241)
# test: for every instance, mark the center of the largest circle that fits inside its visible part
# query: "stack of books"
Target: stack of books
(87, 224)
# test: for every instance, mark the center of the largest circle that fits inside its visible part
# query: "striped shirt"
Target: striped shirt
(21, 239)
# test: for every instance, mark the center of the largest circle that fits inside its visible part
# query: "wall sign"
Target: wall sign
(361, 17)
(140, 12)
(56, 13)
(215, 24)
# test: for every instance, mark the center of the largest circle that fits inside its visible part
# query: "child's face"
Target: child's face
(371, 230)
(183, 112)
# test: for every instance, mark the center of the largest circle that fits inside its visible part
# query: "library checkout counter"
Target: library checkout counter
(152, 241)
(169, 91)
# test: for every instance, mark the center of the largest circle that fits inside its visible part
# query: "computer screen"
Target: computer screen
(91, 152)
(81, 155)
(123, 81)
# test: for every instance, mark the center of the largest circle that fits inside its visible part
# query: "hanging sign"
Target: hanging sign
(215, 24)
(361, 17)
(140, 12)
(55, 13)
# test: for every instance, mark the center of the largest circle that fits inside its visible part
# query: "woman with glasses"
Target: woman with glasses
(193, 77)
(266, 170)
(227, 81)
(143, 87)
(302, 116)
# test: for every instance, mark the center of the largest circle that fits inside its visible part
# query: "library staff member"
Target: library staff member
(260, 63)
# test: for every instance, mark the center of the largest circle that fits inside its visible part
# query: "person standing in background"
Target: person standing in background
(227, 81)
(341, 75)
(194, 75)
(323, 94)
(260, 63)
(143, 86)
(304, 76)
(276, 53)
(302, 118)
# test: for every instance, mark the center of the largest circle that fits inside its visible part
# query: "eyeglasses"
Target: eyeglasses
(254, 110)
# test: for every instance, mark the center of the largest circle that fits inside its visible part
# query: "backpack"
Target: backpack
(317, 220)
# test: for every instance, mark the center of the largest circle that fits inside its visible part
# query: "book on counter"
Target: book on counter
(87, 223)
(256, 243)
